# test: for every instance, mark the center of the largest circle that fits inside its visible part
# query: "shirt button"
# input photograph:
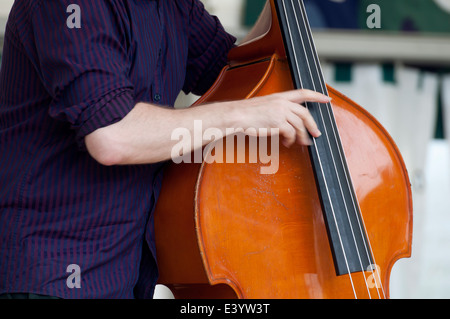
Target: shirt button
(157, 97)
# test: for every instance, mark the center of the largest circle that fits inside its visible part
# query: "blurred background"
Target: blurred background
(393, 59)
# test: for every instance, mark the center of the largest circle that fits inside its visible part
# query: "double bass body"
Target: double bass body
(224, 230)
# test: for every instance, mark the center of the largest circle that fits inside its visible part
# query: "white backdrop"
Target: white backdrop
(5, 6)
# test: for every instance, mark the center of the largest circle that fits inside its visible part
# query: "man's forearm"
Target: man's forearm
(145, 135)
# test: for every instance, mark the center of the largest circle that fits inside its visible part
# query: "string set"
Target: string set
(327, 132)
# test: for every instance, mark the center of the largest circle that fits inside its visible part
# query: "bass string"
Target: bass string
(324, 90)
(320, 164)
(355, 202)
(336, 140)
(327, 135)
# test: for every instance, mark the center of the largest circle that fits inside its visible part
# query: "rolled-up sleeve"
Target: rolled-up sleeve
(85, 70)
(209, 45)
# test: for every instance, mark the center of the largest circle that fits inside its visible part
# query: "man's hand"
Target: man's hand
(284, 111)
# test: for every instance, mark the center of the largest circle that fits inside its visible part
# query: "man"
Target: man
(85, 125)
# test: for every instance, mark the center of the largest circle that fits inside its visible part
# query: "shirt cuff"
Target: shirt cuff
(110, 109)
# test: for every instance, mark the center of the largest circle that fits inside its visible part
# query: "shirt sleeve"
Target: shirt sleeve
(209, 45)
(84, 66)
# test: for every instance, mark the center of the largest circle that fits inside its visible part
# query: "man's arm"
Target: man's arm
(144, 135)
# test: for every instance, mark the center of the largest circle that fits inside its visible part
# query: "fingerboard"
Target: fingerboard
(346, 232)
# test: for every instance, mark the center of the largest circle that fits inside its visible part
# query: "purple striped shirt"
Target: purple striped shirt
(58, 83)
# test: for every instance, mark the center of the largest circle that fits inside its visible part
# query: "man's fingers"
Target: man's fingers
(288, 134)
(302, 136)
(308, 121)
(303, 95)
(284, 111)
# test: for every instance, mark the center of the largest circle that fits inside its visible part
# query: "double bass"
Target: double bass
(329, 223)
